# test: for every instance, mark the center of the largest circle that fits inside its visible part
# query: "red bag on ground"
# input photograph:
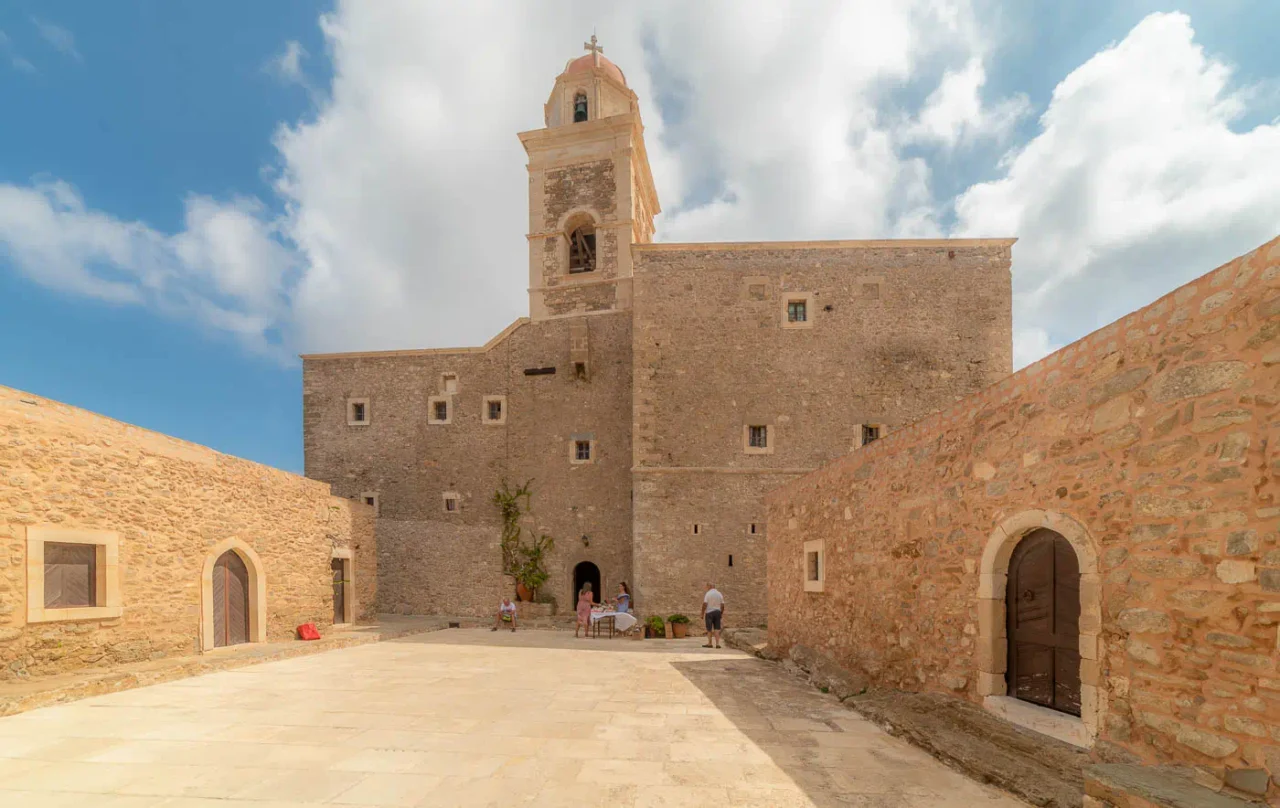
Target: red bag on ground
(307, 631)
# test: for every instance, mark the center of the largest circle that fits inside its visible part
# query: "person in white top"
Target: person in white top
(712, 610)
(506, 614)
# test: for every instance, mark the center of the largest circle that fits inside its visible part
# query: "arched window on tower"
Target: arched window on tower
(579, 107)
(582, 249)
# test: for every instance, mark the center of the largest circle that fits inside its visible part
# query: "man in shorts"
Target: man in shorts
(506, 614)
(712, 610)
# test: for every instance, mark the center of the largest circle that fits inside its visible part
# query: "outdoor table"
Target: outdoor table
(599, 617)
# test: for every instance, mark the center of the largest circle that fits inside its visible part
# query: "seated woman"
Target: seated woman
(624, 598)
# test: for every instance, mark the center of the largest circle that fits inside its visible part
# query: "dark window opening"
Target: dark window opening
(582, 250)
(758, 437)
(582, 449)
(870, 433)
(580, 370)
(442, 410)
(357, 412)
(70, 575)
(797, 311)
(579, 107)
(368, 500)
(495, 410)
(451, 504)
(753, 529)
(539, 371)
(813, 566)
(697, 528)
(731, 561)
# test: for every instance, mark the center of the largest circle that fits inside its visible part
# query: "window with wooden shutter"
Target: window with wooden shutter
(70, 575)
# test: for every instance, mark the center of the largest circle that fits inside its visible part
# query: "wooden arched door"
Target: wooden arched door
(230, 600)
(1043, 608)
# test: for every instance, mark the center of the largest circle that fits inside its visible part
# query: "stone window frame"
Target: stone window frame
(769, 439)
(432, 401)
(993, 646)
(484, 410)
(753, 529)
(445, 378)
(811, 547)
(797, 297)
(455, 498)
(351, 406)
(365, 496)
(857, 436)
(588, 439)
(257, 593)
(106, 568)
(348, 584)
(697, 529)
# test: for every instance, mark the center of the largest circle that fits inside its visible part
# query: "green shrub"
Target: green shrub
(656, 626)
(677, 618)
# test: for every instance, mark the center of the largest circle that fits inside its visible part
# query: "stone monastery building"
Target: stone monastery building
(654, 393)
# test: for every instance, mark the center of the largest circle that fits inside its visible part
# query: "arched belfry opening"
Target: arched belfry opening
(582, 248)
(586, 573)
(580, 107)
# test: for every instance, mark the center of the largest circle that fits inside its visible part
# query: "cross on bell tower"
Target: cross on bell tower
(595, 49)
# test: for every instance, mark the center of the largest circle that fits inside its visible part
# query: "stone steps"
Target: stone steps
(1126, 786)
(1043, 771)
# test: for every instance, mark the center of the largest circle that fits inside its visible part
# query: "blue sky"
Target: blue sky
(221, 207)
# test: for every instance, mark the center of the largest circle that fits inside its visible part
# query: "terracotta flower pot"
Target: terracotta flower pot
(679, 630)
(523, 593)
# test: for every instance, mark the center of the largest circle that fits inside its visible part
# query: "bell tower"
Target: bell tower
(591, 193)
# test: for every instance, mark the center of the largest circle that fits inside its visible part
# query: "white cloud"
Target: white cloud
(62, 40)
(287, 65)
(1136, 183)
(954, 112)
(224, 270)
(16, 61)
(405, 195)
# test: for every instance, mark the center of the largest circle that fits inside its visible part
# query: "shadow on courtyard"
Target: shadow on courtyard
(548, 640)
(853, 763)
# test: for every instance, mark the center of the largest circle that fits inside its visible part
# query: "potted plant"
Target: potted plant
(654, 627)
(679, 626)
(525, 562)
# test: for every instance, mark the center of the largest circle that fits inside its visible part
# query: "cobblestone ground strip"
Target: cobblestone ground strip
(473, 718)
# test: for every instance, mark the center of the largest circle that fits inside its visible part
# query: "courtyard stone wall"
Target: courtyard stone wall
(1153, 445)
(895, 331)
(435, 561)
(169, 503)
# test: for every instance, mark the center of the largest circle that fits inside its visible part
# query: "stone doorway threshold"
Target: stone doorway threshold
(1039, 769)
(20, 696)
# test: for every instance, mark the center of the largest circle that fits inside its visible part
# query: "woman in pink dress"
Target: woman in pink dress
(584, 611)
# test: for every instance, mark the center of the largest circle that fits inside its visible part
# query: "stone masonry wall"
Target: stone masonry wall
(1159, 436)
(437, 562)
(899, 330)
(170, 502)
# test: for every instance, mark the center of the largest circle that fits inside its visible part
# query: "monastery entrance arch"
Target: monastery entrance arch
(584, 573)
(1039, 613)
(233, 596)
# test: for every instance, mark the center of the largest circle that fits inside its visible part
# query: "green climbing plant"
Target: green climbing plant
(524, 561)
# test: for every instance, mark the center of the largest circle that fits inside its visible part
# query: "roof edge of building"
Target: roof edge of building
(488, 346)
(940, 243)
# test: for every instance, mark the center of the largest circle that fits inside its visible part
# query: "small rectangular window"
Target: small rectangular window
(697, 528)
(797, 311)
(813, 570)
(70, 575)
(758, 437)
(369, 500)
(752, 529)
(870, 433)
(495, 410)
(357, 412)
(582, 450)
(731, 561)
(451, 503)
(449, 383)
(442, 410)
(814, 563)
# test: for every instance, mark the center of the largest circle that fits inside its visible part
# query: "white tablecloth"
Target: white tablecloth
(622, 621)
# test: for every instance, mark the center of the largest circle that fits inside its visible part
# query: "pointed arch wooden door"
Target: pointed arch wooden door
(230, 600)
(1043, 608)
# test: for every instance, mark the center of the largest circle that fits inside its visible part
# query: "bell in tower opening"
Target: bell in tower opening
(579, 107)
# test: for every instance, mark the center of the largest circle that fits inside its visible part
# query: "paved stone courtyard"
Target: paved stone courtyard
(473, 718)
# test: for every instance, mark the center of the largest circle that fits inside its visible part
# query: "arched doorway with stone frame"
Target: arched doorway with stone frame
(1050, 539)
(243, 568)
(587, 572)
